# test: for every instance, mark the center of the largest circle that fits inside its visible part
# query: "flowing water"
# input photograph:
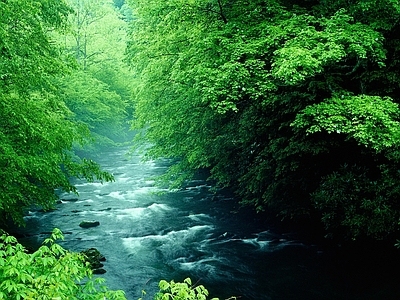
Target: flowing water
(195, 233)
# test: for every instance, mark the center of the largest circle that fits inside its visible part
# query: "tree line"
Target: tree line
(292, 104)
(63, 86)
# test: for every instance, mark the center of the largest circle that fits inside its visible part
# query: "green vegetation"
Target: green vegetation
(98, 90)
(37, 129)
(292, 104)
(181, 291)
(50, 272)
(63, 85)
(48, 107)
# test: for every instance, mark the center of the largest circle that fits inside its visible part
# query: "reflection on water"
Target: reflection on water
(191, 232)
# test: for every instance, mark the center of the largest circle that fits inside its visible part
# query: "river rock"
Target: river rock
(99, 271)
(69, 199)
(88, 224)
(94, 258)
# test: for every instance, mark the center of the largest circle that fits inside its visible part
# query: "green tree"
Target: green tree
(36, 132)
(97, 33)
(282, 101)
(95, 105)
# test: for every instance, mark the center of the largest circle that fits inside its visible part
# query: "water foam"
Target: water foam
(116, 195)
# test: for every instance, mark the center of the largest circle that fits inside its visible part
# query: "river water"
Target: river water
(147, 236)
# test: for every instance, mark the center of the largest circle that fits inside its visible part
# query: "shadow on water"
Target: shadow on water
(195, 233)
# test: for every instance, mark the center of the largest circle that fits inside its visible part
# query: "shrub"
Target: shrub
(51, 272)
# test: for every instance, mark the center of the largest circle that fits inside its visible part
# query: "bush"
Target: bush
(181, 291)
(51, 272)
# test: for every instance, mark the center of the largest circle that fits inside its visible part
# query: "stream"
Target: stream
(147, 236)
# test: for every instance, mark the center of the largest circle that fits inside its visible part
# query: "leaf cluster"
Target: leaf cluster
(181, 291)
(51, 272)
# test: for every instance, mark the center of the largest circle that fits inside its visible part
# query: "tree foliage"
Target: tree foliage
(97, 32)
(94, 104)
(286, 102)
(98, 92)
(181, 291)
(36, 129)
(51, 272)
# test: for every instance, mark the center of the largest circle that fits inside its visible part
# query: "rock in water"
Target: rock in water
(99, 271)
(94, 258)
(88, 224)
(69, 199)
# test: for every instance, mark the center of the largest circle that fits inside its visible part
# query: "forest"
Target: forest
(294, 106)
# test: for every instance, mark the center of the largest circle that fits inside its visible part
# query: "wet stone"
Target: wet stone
(94, 258)
(88, 224)
(70, 199)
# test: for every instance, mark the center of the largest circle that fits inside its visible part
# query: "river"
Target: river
(147, 236)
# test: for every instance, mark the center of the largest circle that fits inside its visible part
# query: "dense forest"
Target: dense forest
(292, 105)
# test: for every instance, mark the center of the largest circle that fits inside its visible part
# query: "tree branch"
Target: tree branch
(221, 13)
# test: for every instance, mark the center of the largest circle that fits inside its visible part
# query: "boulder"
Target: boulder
(88, 224)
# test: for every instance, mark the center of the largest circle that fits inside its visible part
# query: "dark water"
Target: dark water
(194, 233)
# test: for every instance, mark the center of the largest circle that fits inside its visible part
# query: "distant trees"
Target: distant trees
(295, 105)
(98, 92)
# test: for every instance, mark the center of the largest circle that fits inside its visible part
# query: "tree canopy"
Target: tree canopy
(36, 127)
(294, 105)
(98, 92)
